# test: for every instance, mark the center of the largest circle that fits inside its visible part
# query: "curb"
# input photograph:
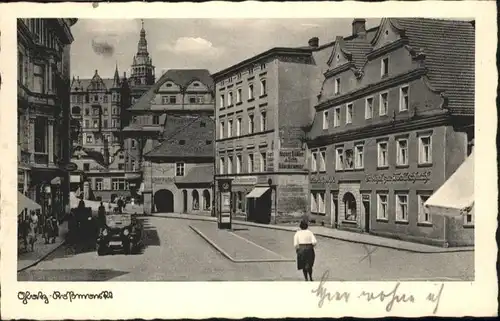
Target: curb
(283, 228)
(225, 254)
(43, 257)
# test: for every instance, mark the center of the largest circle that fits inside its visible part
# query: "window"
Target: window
(263, 162)
(369, 108)
(469, 217)
(382, 206)
(39, 78)
(20, 67)
(318, 202)
(221, 165)
(221, 130)
(250, 71)
(95, 124)
(423, 213)
(336, 118)
(349, 159)
(337, 86)
(119, 184)
(250, 91)
(230, 99)
(192, 100)
(382, 154)
(238, 126)
(229, 165)
(179, 169)
(384, 68)
(402, 207)
(314, 203)
(200, 100)
(358, 155)
(251, 124)
(87, 112)
(229, 128)
(339, 159)
(262, 66)
(314, 166)
(105, 111)
(250, 163)
(133, 143)
(238, 164)
(263, 121)
(348, 114)
(238, 95)
(90, 138)
(165, 100)
(105, 98)
(403, 98)
(156, 120)
(425, 150)
(325, 120)
(105, 123)
(322, 161)
(87, 123)
(96, 98)
(173, 100)
(402, 152)
(221, 101)
(86, 167)
(384, 104)
(98, 184)
(132, 165)
(196, 200)
(263, 87)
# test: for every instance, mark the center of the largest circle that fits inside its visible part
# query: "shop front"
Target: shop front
(241, 187)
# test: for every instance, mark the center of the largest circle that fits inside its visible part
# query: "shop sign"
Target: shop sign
(292, 159)
(399, 177)
(270, 162)
(249, 180)
(317, 179)
(162, 180)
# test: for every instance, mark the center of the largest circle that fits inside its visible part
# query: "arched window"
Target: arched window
(206, 200)
(196, 200)
(76, 110)
(350, 210)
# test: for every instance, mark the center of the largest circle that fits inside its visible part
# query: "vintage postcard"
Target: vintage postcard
(317, 157)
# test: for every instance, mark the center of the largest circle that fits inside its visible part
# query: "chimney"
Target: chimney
(358, 27)
(314, 42)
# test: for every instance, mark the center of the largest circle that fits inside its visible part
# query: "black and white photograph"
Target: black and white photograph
(293, 149)
(146, 156)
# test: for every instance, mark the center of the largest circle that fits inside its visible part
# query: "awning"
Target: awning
(75, 178)
(56, 181)
(456, 195)
(257, 192)
(24, 202)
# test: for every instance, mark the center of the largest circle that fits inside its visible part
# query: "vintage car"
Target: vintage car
(121, 231)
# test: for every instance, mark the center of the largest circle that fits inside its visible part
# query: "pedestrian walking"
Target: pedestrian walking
(304, 242)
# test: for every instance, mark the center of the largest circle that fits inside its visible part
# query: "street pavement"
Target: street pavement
(174, 251)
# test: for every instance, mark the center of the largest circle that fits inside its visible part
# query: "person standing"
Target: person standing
(304, 242)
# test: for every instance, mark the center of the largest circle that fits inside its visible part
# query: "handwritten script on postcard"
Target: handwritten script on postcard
(26, 296)
(389, 297)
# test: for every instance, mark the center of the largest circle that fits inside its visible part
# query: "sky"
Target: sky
(212, 44)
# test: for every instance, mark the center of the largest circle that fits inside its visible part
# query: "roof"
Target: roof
(84, 83)
(182, 77)
(186, 136)
(449, 48)
(266, 54)
(198, 174)
(96, 156)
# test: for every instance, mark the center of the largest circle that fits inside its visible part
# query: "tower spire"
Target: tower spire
(116, 78)
(142, 46)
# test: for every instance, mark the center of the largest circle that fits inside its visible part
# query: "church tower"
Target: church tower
(142, 69)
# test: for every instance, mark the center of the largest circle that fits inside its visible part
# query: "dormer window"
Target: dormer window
(169, 85)
(337, 86)
(202, 124)
(182, 142)
(196, 84)
(208, 142)
(384, 68)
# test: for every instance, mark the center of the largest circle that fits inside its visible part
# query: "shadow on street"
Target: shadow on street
(52, 275)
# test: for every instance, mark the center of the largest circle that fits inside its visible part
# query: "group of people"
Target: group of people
(30, 227)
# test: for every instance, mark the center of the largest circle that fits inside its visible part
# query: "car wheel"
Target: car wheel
(101, 250)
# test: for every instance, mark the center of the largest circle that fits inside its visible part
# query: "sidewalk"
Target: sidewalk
(337, 234)
(42, 250)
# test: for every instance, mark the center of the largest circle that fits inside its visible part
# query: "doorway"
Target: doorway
(164, 201)
(366, 206)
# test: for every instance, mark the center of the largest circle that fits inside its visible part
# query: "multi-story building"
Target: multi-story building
(179, 93)
(100, 107)
(393, 121)
(263, 108)
(44, 144)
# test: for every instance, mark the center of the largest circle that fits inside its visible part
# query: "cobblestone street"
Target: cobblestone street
(175, 252)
